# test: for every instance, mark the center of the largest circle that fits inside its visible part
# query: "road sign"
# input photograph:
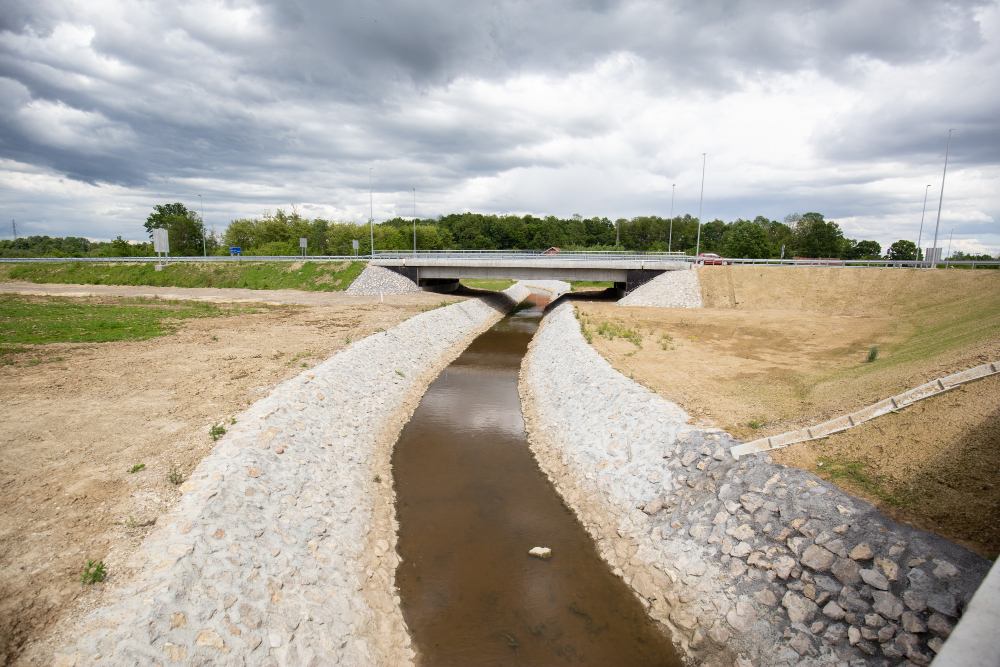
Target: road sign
(161, 242)
(302, 243)
(355, 244)
(235, 251)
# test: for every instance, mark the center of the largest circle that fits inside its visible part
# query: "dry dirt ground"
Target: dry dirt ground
(779, 348)
(70, 430)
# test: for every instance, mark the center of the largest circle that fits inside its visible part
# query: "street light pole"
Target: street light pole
(941, 199)
(371, 213)
(414, 219)
(701, 200)
(670, 239)
(204, 250)
(921, 233)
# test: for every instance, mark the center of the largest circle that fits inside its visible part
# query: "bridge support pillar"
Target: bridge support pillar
(635, 278)
(426, 284)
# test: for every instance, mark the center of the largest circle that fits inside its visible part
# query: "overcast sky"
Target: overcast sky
(547, 107)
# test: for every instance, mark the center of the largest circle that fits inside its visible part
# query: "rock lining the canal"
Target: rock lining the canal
(375, 280)
(288, 559)
(746, 562)
(671, 289)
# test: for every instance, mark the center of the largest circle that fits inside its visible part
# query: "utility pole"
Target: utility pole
(941, 199)
(701, 200)
(13, 223)
(204, 250)
(921, 233)
(371, 212)
(670, 239)
(414, 219)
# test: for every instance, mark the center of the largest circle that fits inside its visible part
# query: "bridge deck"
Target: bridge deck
(550, 268)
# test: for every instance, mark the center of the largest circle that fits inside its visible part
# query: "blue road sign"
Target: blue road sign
(235, 251)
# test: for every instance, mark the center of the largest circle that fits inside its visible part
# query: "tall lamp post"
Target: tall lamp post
(701, 200)
(204, 250)
(670, 239)
(414, 219)
(941, 199)
(921, 233)
(371, 213)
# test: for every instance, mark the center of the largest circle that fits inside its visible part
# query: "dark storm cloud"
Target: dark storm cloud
(204, 90)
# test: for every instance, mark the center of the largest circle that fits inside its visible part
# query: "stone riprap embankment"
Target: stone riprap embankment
(376, 280)
(672, 289)
(282, 549)
(746, 562)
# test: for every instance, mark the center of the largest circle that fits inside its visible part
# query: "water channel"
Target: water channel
(471, 502)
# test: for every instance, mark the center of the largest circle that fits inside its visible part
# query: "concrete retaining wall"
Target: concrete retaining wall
(744, 562)
(282, 548)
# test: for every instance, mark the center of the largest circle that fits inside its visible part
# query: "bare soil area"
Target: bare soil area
(779, 348)
(76, 418)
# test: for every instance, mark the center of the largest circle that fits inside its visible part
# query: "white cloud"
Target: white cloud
(837, 107)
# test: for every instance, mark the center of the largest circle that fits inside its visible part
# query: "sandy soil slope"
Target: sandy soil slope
(70, 430)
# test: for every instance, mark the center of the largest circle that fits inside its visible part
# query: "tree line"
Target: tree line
(808, 235)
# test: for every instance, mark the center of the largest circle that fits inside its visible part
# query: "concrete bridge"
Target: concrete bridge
(441, 270)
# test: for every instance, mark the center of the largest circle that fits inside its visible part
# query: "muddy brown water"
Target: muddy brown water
(471, 502)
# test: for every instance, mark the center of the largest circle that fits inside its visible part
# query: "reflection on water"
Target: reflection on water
(471, 503)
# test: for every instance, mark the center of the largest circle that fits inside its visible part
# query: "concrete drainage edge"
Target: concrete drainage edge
(744, 562)
(883, 407)
(282, 548)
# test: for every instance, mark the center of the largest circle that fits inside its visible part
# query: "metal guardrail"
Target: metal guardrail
(210, 258)
(527, 255)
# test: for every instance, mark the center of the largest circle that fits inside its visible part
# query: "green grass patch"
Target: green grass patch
(853, 472)
(484, 283)
(36, 320)
(612, 330)
(310, 276)
(575, 284)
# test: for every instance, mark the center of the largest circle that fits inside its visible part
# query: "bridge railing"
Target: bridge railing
(578, 255)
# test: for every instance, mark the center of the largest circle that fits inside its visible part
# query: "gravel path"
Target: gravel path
(380, 280)
(672, 289)
(282, 549)
(747, 562)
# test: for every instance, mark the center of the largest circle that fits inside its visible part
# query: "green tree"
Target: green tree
(184, 228)
(747, 240)
(819, 238)
(903, 250)
(861, 249)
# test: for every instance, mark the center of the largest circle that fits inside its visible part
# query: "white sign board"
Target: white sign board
(161, 243)
(355, 243)
(302, 243)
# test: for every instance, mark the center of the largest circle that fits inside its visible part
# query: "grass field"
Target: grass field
(312, 276)
(577, 285)
(26, 320)
(483, 283)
